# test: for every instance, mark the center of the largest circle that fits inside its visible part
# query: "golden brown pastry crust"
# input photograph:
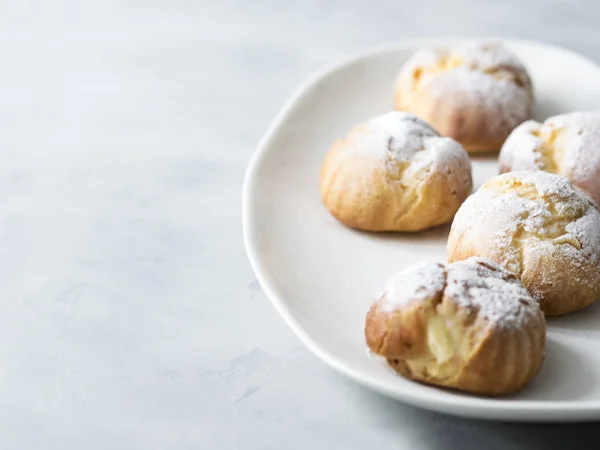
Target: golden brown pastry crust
(470, 326)
(476, 93)
(395, 173)
(541, 228)
(567, 145)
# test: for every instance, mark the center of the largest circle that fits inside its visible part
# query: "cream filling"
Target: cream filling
(439, 341)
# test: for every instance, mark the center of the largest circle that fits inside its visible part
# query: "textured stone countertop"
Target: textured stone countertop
(130, 315)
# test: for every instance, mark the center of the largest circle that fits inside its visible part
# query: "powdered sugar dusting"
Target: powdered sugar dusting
(576, 156)
(488, 57)
(521, 214)
(522, 148)
(416, 283)
(468, 87)
(582, 144)
(557, 187)
(398, 138)
(476, 283)
(476, 73)
(496, 294)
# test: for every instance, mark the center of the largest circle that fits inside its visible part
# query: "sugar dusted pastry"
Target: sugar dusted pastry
(470, 325)
(395, 173)
(568, 145)
(541, 228)
(476, 93)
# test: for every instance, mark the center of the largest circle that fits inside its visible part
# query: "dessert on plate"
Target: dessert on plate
(567, 145)
(395, 173)
(476, 93)
(469, 325)
(541, 228)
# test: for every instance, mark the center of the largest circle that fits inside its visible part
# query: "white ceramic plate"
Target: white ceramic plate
(322, 277)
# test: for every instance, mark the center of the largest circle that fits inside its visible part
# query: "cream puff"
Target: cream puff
(475, 93)
(395, 173)
(469, 325)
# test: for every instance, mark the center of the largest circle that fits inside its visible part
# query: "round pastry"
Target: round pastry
(395, 173)
(541, 228)
(476, 93)
(568, 145)
(470, 325)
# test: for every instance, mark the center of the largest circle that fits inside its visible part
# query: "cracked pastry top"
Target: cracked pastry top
(470, 325)
(476, 93)
(395, 173)
(541, 228)
(567, 144)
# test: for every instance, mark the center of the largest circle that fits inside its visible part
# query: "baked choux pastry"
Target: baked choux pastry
(541, 228)
(395, 173)
(568, 145)
(470, 325)
(476, 93)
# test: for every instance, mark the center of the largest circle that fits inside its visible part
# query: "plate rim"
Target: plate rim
(463, 406)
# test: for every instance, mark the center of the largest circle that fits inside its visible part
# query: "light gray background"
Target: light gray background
(130, 315)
